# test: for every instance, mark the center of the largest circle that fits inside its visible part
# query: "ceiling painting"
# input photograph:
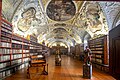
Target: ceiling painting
(67, 21)
(60, 10)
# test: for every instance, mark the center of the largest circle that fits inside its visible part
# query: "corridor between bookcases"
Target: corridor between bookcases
(70, 69)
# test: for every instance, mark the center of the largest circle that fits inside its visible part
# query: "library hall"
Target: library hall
(59, 40)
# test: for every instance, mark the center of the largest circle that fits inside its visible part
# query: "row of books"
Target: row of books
(97, 56)
(26, 59)
(18, 42)
(6, 30)
(99, 61)
(25, 55)
(35, 48)
(16, 61)
(5, 39)
(16, 51)
(19, 46)
(4, 44)
(26, 44)
(5, 58)
(33, 54)
(2, 65)
(25, 41)
(17, 56)
(25, 51)
(6, 34)
(25, 47)
(4, 24)
(17, 38)
(5, 51)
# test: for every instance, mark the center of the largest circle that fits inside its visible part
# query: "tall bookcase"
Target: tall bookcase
(5, 47)
(33, 45)
(20, 50)
(14, 50)
(36, 48)
(100, 54)
(25, 50)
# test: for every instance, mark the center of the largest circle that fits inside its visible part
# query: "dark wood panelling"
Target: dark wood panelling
(114, 49)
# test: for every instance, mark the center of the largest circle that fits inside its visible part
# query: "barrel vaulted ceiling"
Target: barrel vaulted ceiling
(58, 21)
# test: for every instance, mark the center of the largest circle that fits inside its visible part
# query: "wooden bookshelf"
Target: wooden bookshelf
(5, 47)
(99, 50)
(34, 46)
(77, 51)
(25, 50)
(15, 50)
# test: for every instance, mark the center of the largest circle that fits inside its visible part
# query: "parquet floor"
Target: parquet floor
(70, 69)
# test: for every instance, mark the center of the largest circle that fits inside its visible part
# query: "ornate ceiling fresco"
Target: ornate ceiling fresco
(65, 22)
(60, 10)
(8, 8)
(91, 18)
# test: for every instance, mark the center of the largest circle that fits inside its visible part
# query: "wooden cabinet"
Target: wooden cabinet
(100, 54)
(114, 40)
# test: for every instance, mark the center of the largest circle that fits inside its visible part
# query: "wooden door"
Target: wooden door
(114, 51)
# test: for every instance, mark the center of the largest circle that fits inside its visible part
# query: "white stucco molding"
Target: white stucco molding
(110, 9)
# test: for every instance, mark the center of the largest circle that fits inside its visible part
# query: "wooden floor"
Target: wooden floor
(70, 69)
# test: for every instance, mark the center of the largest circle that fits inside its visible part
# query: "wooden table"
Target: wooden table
(38, 63)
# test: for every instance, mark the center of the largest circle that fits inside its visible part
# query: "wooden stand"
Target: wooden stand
(87, 71)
